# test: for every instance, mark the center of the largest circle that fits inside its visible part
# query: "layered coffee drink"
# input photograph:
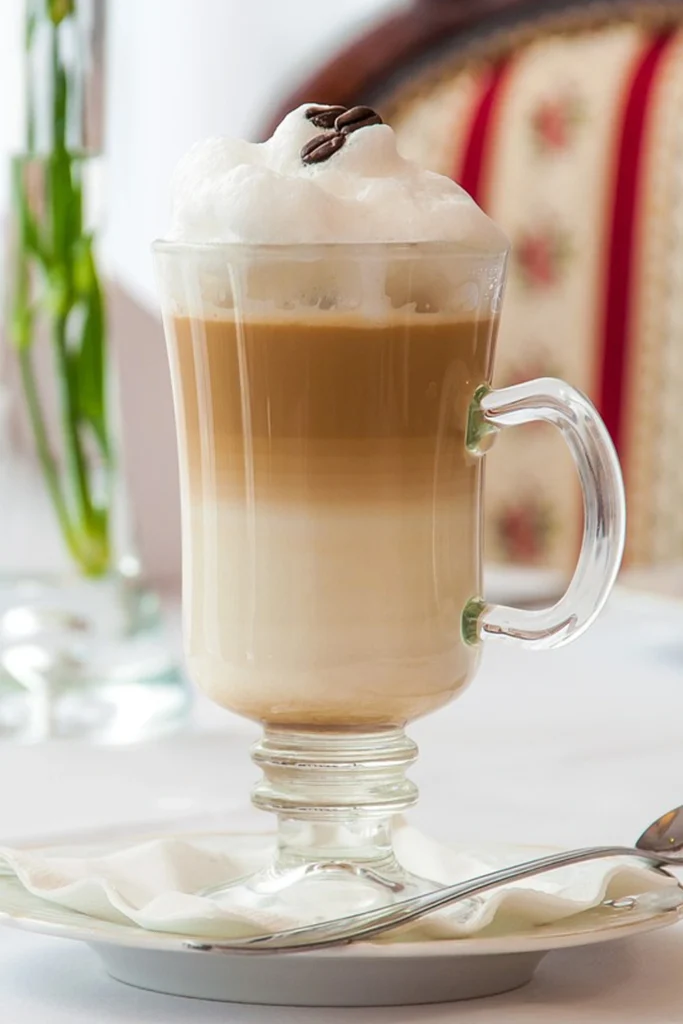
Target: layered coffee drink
(331, 311)
(325, 349)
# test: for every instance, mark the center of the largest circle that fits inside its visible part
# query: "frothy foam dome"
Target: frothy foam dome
(227, 190)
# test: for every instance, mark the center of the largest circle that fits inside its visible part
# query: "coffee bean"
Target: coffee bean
(321, 147)
(323, 117)
(355, 118)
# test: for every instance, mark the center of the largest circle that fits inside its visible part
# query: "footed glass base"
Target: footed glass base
(85, 659)
(322, 890)
(334, 794)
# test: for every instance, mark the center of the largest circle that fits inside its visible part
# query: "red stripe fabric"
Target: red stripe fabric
(471, 173)
(618, 298)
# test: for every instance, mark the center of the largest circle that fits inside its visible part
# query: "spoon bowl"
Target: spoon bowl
(665, 835)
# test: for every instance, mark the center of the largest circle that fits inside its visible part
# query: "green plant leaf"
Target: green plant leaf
(55, 286)
(60, 9)
(21, 322)
(60, 199)
(90, 357)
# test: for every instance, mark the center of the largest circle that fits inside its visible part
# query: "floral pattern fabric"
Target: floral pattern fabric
(548, 175)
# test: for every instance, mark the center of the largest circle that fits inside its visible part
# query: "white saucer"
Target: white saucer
(363, 974)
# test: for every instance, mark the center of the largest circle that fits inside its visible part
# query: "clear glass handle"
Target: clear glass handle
(553, 401)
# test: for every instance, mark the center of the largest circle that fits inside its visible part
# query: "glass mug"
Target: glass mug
(333, 407)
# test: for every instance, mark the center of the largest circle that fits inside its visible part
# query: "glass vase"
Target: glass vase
(83, 651)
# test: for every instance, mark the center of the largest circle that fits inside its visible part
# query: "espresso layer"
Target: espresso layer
(330, 513)
(337, 412)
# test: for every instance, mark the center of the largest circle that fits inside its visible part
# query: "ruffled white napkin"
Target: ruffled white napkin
(152, 884)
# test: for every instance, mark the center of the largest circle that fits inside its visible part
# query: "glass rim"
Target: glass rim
(384, 250)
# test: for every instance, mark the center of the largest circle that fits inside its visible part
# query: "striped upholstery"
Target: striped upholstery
(574, 143)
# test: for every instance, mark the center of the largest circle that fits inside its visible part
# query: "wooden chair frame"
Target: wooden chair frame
(413, 44)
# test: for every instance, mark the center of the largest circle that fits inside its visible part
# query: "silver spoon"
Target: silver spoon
(661, 843)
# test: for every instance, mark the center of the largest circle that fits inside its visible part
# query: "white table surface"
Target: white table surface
(574, 747)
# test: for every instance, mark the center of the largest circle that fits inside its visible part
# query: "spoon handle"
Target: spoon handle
(374, 922)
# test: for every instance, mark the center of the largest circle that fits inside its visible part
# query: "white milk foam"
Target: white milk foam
(227, 190)
(231, 191)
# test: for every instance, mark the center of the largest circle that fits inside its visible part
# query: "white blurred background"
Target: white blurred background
(177, 70)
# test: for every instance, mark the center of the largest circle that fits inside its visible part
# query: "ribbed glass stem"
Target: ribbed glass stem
(320, 774)
(334, 793)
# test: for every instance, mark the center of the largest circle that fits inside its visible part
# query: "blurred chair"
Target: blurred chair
(564, 119)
